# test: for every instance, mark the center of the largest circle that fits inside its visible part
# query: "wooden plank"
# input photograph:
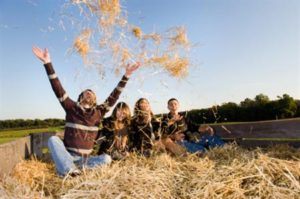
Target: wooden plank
(250, 144)
(288, 128)
(13, 152)
(39, 141)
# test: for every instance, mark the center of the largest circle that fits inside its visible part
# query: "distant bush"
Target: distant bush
(21, 123)
(257, 109)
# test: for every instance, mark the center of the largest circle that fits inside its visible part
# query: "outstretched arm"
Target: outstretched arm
(43, 55)
(114, 96)
(131, 68)
(59, 91)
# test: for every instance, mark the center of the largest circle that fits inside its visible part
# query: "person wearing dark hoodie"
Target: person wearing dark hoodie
(176, 132)
(81, 122)
(145, 135)
(113, 137)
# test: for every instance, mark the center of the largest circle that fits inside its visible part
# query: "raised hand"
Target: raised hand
(43, 55)
(131, 68)
(206, 128)
(177, 136)
(176, 118)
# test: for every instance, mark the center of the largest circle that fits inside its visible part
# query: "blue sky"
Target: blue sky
(244, 47)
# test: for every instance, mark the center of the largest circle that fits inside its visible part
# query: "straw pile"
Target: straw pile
(228, 172)
(153, 36)
(137, 32)
(81, 42)
(176, 66)
(127, 43)
(179, 37)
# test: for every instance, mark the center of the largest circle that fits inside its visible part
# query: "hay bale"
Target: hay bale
(227, 172)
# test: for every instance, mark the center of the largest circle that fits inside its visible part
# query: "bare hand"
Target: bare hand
(117, 142)
(43, 55)
(131, 68)
(124, 143)
(206, 128)
(176, 118)
(178, 136)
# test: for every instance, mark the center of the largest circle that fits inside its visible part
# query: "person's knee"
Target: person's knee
(167, 141)
(106, 159)
(53, 139)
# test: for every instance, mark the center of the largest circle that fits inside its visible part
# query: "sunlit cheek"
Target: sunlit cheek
(121, 115)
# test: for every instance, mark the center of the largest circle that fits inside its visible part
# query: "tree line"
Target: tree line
(28, 123)
(259, 108)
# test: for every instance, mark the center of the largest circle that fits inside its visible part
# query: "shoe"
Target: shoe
(74, 172)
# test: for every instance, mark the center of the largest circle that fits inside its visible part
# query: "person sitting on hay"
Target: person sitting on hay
(81, 123)
(113, 137)
(144, 137)
(176, 135)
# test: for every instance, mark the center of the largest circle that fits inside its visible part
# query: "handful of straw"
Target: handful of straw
(176, 66)
(81, 43)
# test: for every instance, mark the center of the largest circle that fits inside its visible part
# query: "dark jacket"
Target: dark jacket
(180, 125)
(143, 135)
(107, 136)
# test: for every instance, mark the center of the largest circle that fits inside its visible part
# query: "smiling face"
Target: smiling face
(88, 99)
(121, 112)
(144, 106)
(143, 110)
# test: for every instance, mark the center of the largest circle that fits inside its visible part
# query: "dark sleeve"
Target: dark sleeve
(106, 136)
(107, 129)
(192, 126)
(59, 91)
(191, 134)
(132, 136)
(182, 125)
(156, 128)
(164, 126)
(113, 97)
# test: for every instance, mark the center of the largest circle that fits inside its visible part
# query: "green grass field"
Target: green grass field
(10, 135)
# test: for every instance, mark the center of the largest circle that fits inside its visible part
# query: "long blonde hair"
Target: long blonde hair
(139, 114)
(123, 107)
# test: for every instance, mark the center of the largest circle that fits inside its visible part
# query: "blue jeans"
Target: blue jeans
(211, 141)
(66, 161)
(191, 146)
(206, 141)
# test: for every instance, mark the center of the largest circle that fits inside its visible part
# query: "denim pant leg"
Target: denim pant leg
(191, 147)
(98, 160)
(216, 141)
(211, 141)
(62, 158)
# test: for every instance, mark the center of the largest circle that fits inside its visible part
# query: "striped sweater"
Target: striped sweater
(143, 135)
(81, 127)
(168, 130)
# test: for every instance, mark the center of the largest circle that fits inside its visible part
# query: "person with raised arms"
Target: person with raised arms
(82, 122)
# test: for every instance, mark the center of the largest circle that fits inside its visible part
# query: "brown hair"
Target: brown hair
(124, 107)
(172, 99)
(138, 113)
(80, 97)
